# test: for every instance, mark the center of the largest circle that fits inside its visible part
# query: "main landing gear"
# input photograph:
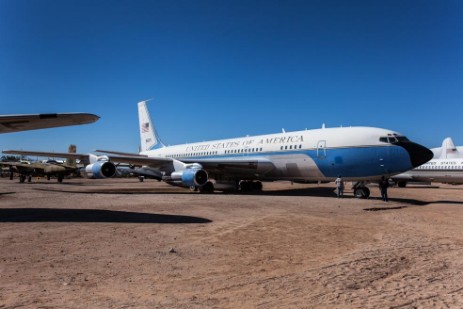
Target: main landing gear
(360, 190)
(250, 186)
(208, 187)
(241, 186)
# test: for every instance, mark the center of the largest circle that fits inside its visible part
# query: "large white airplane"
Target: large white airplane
(445, 167)
(16, 123)
(356, 153)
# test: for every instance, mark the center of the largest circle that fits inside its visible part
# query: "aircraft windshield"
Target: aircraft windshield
(393, 138)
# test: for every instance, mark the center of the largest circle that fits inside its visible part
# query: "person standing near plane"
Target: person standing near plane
(383, 185)
(339, 186)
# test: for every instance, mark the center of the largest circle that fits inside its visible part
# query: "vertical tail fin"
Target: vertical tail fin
(448, 149)
(70, 161)
(148, 137)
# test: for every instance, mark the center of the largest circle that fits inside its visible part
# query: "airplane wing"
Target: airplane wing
(16, 164)
(120, 153)
(76, 156)
(238, 165)
(16, 123)
(233, 166)
(134, 159)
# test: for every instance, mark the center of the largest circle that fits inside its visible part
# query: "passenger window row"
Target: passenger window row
(244, 150)
(193, 154)
(232, 151)
(291, 147)
(441, 167)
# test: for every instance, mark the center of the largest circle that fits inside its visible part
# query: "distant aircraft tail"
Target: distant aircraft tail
(71, 161)
(148, 137)
(448, 149)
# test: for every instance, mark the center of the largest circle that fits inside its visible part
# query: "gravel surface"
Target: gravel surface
(120, 243)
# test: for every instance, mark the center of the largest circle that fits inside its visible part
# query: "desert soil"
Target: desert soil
(120, 243)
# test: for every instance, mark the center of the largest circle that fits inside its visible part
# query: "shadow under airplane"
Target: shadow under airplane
(91, 215)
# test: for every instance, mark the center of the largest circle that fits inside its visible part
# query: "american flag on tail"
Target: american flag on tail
(145, 127)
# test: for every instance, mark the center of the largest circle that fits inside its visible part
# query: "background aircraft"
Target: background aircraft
(48, 169)
(357, 153)
(445, 167)
(16, 123)
(448, 150)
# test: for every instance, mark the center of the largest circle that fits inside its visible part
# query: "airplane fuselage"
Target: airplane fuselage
(356, 153)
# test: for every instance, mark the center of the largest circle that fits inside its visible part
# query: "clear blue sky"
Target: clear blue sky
(221, 69)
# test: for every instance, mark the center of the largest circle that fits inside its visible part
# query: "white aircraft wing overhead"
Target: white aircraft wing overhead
(16, 123)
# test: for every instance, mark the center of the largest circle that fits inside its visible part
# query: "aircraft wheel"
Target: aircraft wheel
(60, 178)
(207, 188)
(245, 186)
(29, 179)
(11, 176)
(257, 186)
(362, 192)
(402, 184)
(22, 178)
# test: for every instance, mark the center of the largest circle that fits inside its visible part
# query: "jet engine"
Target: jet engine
(188, 178)
(100, 170)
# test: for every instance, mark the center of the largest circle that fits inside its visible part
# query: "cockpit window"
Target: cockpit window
(384, 139)
(402, 139)
(393, 138)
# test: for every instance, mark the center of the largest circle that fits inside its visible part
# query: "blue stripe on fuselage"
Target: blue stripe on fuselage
(375, 161)
(342, 161)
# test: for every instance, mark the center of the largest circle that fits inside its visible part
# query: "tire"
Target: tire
(362, 192)
(208, 187)
(401, 184)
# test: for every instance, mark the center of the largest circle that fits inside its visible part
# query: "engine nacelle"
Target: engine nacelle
(188, 178)
(100, 170)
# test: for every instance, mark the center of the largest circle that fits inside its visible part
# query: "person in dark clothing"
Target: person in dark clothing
(383, 185)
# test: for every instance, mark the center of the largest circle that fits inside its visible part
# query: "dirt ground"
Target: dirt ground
(120, 243)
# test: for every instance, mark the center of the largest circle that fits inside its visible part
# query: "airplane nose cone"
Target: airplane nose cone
(418, 154)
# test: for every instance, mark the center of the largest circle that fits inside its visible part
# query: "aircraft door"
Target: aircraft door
(321, 149)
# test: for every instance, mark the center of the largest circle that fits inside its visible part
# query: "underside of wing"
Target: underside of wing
(16, 123)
